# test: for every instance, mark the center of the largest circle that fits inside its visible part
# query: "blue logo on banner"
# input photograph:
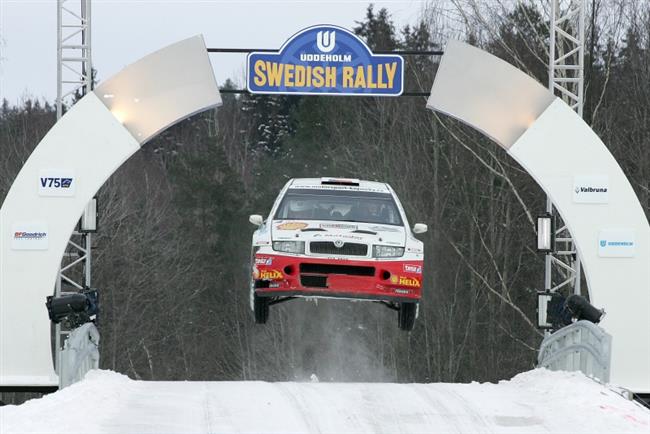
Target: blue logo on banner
(325, 60)
(56, 182)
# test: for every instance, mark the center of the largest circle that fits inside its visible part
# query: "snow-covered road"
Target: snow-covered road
(538, 401)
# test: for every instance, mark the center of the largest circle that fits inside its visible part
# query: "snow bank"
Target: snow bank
(69, 410)
(538, 401)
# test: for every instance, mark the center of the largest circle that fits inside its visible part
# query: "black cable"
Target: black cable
(240, 91)
(269, 50)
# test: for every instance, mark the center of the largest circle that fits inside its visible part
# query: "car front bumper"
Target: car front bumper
(365, 279)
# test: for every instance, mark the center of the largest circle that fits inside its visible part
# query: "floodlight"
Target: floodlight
(76, 308)
(545, 233)
(543, 320)
(89, 217)
(581, 309)
(552, 311)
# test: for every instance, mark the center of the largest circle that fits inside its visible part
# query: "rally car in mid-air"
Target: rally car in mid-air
(337, 238)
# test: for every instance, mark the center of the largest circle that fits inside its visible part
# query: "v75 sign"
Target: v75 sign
(56, 183)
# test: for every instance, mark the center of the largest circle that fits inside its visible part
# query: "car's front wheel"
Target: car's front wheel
(260, 308)
(406, 316)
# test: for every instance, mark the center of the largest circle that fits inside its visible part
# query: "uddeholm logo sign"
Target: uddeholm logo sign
(616, 243)
(325, 60)
(326, 41)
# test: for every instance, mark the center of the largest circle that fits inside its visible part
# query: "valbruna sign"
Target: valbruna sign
(325, 60)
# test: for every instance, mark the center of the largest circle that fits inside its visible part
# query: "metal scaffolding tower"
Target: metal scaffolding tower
(74, 79)
(566, 79)
(74, 64)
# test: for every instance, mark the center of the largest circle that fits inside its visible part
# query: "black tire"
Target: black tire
(260, 309)
(406, 316)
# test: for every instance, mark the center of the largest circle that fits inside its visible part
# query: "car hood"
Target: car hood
(323, 230)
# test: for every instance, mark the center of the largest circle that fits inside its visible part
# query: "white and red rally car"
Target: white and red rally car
(337, 238)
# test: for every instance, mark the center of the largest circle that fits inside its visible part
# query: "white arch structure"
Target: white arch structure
(110, 124)
(87, 145)
(561, 152)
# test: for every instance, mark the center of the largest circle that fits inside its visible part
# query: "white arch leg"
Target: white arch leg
(87, 145)
(536, 128)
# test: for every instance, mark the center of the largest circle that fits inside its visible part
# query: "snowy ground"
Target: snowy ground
(538, 401)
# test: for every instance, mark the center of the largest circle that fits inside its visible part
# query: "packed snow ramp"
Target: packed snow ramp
(539, 401)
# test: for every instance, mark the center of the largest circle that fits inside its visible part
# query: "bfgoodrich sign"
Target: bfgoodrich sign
(326, 60)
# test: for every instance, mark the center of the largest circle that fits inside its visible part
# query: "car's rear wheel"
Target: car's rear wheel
(260, 308)
(406, 316)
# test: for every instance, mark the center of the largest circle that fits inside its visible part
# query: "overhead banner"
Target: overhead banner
(325, 60)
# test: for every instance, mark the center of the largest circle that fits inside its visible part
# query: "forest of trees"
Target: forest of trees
(172, 255)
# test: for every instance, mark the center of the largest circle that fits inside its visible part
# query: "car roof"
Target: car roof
(339, 184)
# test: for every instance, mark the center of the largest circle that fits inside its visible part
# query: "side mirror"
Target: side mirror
(420, 228)
(256, 219)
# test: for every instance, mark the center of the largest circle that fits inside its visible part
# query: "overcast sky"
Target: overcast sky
(125, 30)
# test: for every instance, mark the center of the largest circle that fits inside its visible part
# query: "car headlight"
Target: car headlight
(297, 247)
(387, 252)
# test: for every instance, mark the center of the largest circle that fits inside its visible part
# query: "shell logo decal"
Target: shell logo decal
(291, 226)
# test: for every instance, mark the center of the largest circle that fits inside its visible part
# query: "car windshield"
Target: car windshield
(339, 205)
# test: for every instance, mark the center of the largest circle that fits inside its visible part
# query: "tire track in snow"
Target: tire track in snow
(472, 411)
(310, 423)
(436, 404)
(423, 412)
(207, 410)
(370, 405)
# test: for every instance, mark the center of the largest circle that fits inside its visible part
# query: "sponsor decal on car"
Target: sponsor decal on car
(338, 187)
(270, 274)
(343, 236)
(292, 226)
(383, 229)
(261, 260)
(402, 291)
(347, 237)
(408, 268)
(338, 226)
(405, 281)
